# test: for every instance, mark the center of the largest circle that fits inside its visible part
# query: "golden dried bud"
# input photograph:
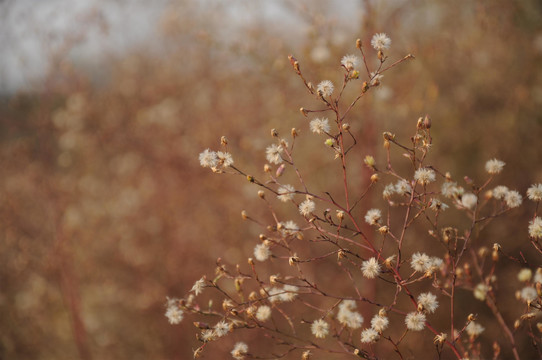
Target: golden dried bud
(528, 316)
(293, 259)
(539, 326)
(364, 87)
(253, 296)
(374, 178)
(358, 43)
(244, 215)
(303, 111)
(262, 237)
(340, 214)
(517, 324)
(382, 313)
(483, 251)
(250, 178)
(274, 133)
(238, 283)
(296, 66)
(383, 230)
(273, 279)
(251, 261)
(306, 355)
(341, 254)
(388, 136)
(267, 168)
(440, 339)
(294, 133)
(420, 124)
(346, 126)
(280, 170)
(495, 255)
(380, 55)
(227, 304)
(223, 141)
(261, 194)
(354, 74)
(389, 261)
(471, 317)
(369, 161)
(427, 122)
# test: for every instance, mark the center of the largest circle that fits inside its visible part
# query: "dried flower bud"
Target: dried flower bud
(267, 168)
(253, 296)
(517, 324)
(358, 43)
(389, 261)
(420, 124)
(293, 259)
(369, 161)
(227, 304)
(380, 55)
(364, 87)
(374, 178)
(340, 214)
(303, 111)
(346, 126)
(528, 316)
(427, 122)
(238, 284)
(274, 133)
(261, 194)
(382, 313)
(251, 261)
(294, 132)
(388, 136)
(244, 215)
(329, 142)
(250, 178)
(483, 251)
(273, 279)
(262, 237)
(471, 317)
(383, 230)
(306, 355)
(354, 74)
(495, 255)
(539, 326)
(280, 170)
(341, 254)
(223, 141)
(440, 339)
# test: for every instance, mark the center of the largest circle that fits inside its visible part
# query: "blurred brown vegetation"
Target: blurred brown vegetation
(105, 210)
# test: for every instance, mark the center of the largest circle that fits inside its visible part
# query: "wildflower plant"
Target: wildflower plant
(277, 292)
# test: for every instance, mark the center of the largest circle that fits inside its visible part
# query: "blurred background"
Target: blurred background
(105, 106)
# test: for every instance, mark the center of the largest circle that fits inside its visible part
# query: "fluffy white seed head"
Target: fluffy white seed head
(380, 42)
(494, 166)
(415, 321)
(320, 328)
